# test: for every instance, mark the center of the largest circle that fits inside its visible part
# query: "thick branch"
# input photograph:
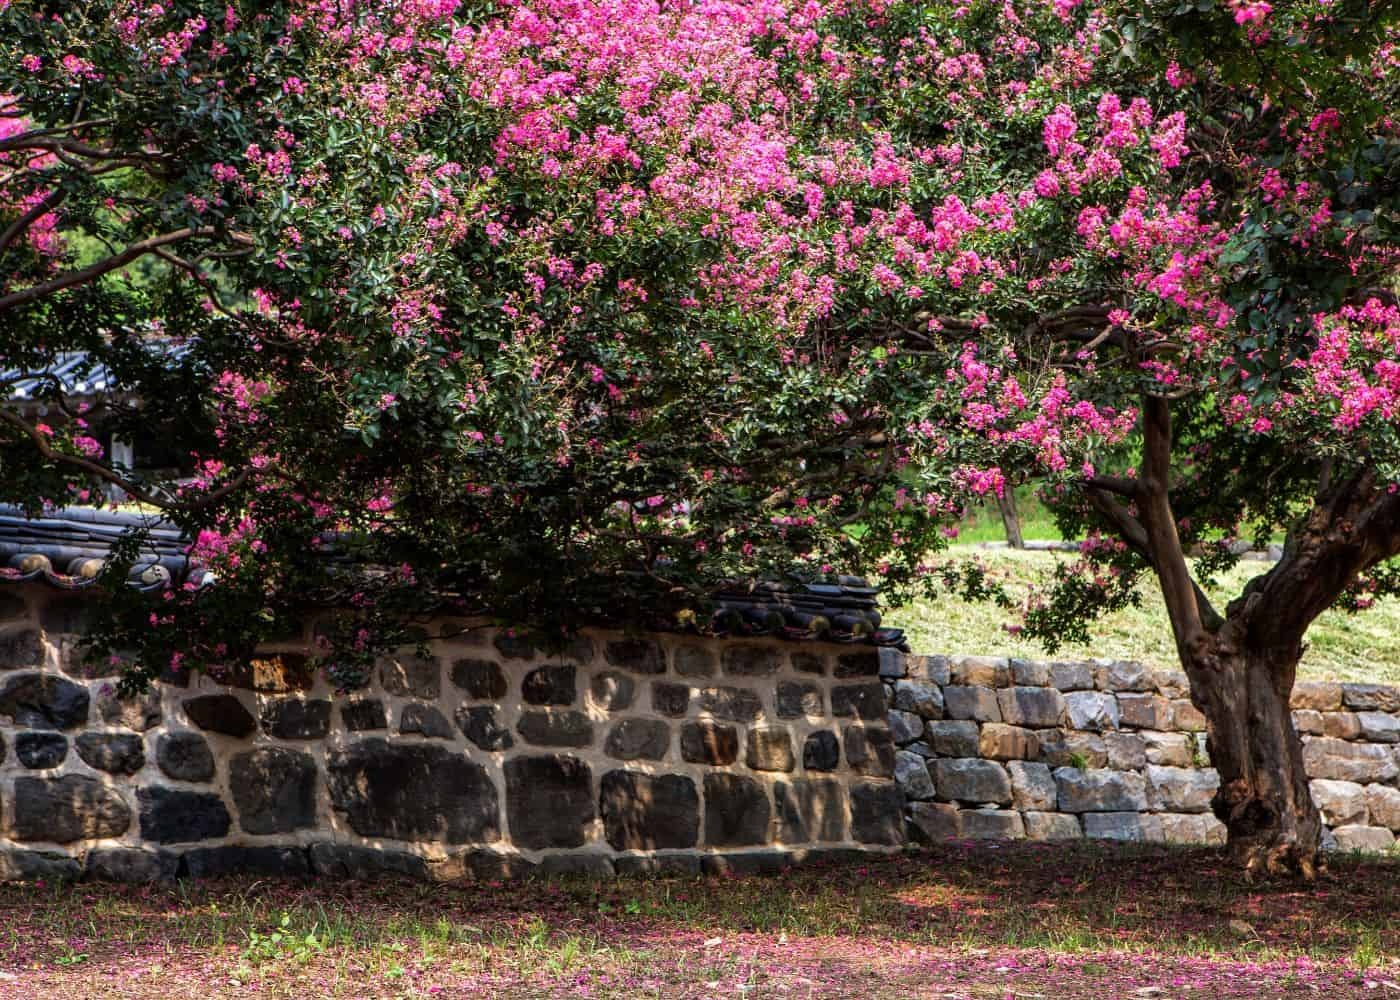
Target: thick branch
(106, 474)
(91, 273)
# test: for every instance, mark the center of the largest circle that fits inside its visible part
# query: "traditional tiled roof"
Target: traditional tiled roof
(68, 547)
(77, 373)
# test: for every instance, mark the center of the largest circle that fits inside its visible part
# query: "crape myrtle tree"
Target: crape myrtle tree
(576, 309)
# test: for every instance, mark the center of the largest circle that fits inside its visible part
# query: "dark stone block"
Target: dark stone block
(115, 753)
(411, 676)
(274, 789)
(877, 813)
(613, 691)
(630, 865)
(479, 724)
(363, 864)
(294, 719)
(594, 865)
(514, 645)
(809, 663)
(870, 751)
(274, 673)
(62, 810)
(216, 862)
(634, 739)
(642, 812)
(549, 801)
(33, 866)
(482, 680)
(549, 727)
(425, 720)
(21, 649)
(864, 701)
(770, 749)
(553, 684)
(800, 698)
(141, 712)
(810, 809)
(12, 606)
(363, 714)
(220, 713)
(413, 791)
(169, 816)
(706, 742)
(731, 704)
(822, 751)
(641, 656)
(39, 751)
(130, 864)
(44, 701)
(494, 866)
(691, 659)
(737, 812)
(670, 699)
(748, 863)
(185, 757)
(71, 614)
(862, 663)
(751, 661)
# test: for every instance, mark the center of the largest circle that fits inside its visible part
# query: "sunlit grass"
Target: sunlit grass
(1362, 647)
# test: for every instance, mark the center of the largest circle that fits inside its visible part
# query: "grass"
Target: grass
(959, 921)
(1362, 647)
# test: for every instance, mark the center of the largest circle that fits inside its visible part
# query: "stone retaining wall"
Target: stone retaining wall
(1000, 749)
(486, 758)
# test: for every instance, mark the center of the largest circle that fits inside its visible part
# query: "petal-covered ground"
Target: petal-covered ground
(962, 921)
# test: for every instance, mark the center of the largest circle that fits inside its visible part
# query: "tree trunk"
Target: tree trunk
(1010, 519)
(1264, 800)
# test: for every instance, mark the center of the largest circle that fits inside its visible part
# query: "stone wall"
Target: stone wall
(1002, 749)
(487, 758)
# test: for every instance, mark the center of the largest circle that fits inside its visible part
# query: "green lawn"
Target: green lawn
(1364, 647)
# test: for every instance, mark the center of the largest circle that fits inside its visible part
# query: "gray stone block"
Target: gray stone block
(1032, 786)
(863, 701)
(1092, 710)
(1145, 827)
(971, 780)
(1379, 727)
(613, 691)
(1126, 751)
(550, 727)
(1098, 790)
(920, 697)
(425, 720)
(1371, 839)
(810, 810)
(991, 824)
(1338, 760)
(1180, 789)
(1341, 802)
(1371, 697)
(911, 773)
(869, 751)
(737, 811)
(1052, 826)
(877, 813)
(952, 738)
(1121, 675)
(731, 704)
(482, 680)
(1071, 676)
(905, 727)
(1031, 706)
(977, 703)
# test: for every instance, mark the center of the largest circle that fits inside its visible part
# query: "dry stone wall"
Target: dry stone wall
(990, 748)
(487, 758)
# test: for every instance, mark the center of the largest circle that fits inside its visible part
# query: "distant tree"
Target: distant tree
(581, 306)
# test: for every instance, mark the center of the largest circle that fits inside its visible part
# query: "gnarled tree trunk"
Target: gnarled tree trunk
(1264, 800)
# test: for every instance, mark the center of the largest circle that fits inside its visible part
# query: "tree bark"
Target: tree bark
(1010, 519)
(1264, 798)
